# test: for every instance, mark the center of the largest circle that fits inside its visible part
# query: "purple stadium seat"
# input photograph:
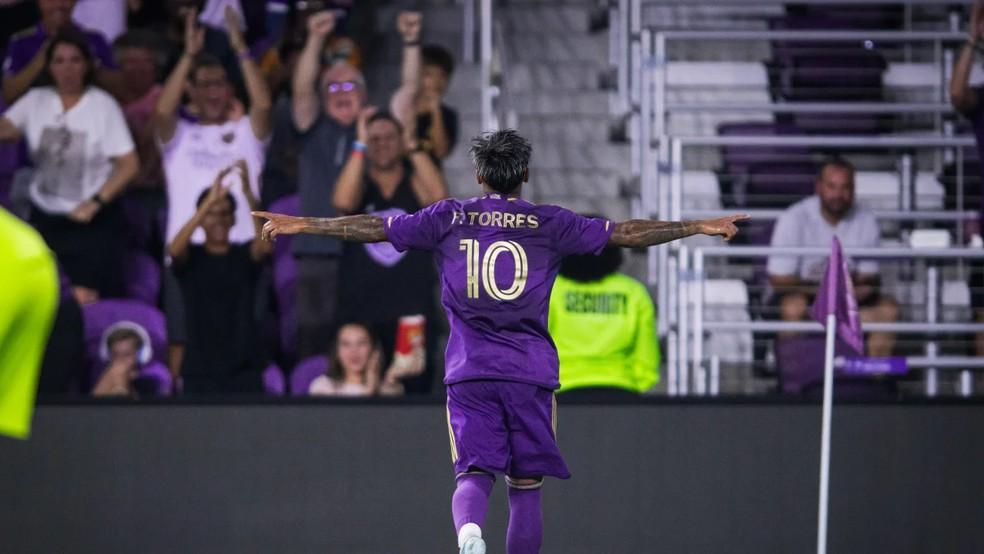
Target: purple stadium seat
(285, 279)
(273, 380)
(738, 158)
(100, 315)
(800, 360)
(779, 184)
(139, 227)
(141, 277)
(306, 371)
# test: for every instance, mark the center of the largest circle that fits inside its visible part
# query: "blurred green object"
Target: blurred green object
(28, 299)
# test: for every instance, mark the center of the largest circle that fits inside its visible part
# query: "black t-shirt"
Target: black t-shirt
(219, 296)
(424, 124)
(379, 284)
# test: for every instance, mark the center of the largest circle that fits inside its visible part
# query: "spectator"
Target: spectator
(325, 108)
(125, 347)
(25, 61)
(966, 100)
(138, 55)
(381, 179)
(814, 221)
(194, 150)
(603, 324)
(437, 123)
(208, 39)
(355, 367)
(218, 279)
(85, 157)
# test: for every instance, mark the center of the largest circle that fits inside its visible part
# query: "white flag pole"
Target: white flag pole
(828, 393)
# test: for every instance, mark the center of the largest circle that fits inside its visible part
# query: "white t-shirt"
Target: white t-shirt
(106, 16)
(193, 157)
(803, 225)
(324, 386)
(73, 151)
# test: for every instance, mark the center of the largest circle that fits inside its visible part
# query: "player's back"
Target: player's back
(498, 257)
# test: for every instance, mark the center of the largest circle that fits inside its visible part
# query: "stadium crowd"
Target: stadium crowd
(138, 136)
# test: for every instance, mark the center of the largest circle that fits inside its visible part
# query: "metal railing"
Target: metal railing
(625, 40)
(688, 364)
(662, 183)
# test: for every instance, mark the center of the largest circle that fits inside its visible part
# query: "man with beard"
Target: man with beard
(814, 221)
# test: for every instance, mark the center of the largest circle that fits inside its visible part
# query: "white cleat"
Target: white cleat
(474, 545)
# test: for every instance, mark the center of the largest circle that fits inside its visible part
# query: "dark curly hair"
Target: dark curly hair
(501, 159)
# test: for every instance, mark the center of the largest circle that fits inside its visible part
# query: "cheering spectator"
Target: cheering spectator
(603, 324)
(138, 55)
(194, 150)
(325, 109)
(437, 123)
(355, 366)
(815, 221)
(380, 178)
(218, 280)
(209, 39)
(25, 61)
(123, 345)
(324, 118)
(967, 101)
(84, 158)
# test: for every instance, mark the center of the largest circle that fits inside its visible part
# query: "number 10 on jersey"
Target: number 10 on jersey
(485, 272)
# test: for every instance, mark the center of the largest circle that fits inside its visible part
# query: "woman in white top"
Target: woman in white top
(355, 367)
(84, 158)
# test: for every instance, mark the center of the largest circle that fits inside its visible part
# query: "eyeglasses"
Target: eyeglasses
(347, 86)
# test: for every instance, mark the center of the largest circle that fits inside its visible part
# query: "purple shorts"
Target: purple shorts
(504, 427)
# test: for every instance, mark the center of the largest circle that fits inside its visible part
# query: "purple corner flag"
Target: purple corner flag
(836, 296)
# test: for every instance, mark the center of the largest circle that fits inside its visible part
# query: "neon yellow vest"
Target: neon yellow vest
(28, 298)
(605, 332)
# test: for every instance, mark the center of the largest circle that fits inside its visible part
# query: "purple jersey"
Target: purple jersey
(24, 45)
(498, 257)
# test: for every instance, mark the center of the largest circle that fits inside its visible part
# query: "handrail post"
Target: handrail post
(468, 31)
(485, 25)
(932, 282)
(698, 347)
(683, 324)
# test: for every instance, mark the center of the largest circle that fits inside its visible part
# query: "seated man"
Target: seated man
(814, 221)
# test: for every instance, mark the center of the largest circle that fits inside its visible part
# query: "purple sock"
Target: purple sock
(471, 499)
(525, 531)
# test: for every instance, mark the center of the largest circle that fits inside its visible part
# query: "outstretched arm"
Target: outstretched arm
(354, 228)
(636, 233)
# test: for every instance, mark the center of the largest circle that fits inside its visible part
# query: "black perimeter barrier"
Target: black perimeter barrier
(673, 476)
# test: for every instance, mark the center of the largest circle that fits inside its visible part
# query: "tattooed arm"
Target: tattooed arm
(637, 233)
(355, 228)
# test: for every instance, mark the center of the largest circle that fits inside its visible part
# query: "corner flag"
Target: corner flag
(836, 296)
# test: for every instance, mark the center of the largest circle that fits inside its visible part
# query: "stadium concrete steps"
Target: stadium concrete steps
(550, 82)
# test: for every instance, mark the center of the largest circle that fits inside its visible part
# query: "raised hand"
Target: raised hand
(194, 35)
(243, 170)
(362, 125)
(321, 24)
(723, 226)
(976, 20)
(408, 24)
(279, 224)
(236, 39)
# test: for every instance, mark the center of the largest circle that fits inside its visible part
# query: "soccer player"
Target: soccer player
(498, 256)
